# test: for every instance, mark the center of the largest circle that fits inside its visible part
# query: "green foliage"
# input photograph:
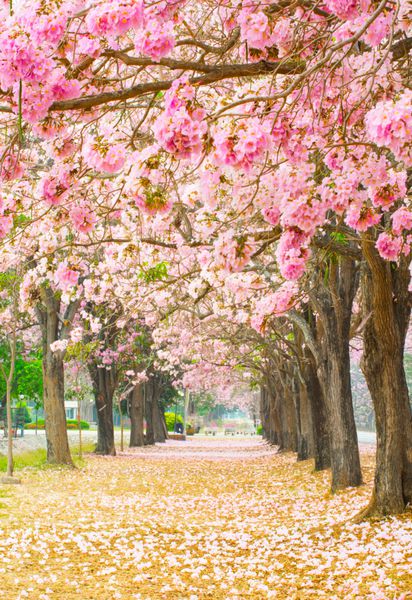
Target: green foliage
(156, 273)
(71, 424)
(259, 430)
(339, 237)
(28, 375)
(170, 420)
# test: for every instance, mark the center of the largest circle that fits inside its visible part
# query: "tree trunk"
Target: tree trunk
(333, 302)
(306, 448)
(288, 417)
(58, 451)
(265, 413)
(148, 410)
(159, 425)
(136, 412)
(386, 302)
(318, 413)
(104, 386)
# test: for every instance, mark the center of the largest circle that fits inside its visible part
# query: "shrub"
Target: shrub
(259, 430)
(170, 420)
(71, 424)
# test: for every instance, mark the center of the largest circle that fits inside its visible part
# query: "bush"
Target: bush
(71, 424)
(170, 420)
(259, 430)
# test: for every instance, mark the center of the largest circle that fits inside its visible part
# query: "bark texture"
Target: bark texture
(136, 413)
(333, 302)
(104, 385)
(53, 328)
(386, 304)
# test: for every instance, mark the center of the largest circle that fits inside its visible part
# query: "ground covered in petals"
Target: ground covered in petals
(202, 519)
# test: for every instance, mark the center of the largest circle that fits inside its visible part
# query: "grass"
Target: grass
(38, 458)
(32, 458)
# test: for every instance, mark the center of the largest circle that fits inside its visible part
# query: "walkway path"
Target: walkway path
(31, 441)
(221, 519)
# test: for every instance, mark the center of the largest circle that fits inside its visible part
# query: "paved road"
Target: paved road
(367, 437)
(30, 441)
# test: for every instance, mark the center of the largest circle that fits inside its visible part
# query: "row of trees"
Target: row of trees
(209, 171)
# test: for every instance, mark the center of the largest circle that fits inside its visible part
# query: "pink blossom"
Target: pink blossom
(181, 128)
(103, 155)
(390, 124)
(254, 29)
(401, 221)
(114, 18)
(155, 40)
(65, 277)
(389, 247)
(361, 217)
(83, 218)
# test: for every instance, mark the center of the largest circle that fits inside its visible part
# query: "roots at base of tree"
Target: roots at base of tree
(374, 511)
(100, 452)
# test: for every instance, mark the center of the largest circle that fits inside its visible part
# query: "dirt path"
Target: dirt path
(206, 519)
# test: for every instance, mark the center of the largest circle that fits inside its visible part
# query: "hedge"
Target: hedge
(170, 420)
(71, 424)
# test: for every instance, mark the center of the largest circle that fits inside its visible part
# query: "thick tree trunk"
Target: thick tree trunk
(58, 451)
(155, 424)
(288, 417)
(328, 340)
(386, 302)
(104, 386)
(333, 303)
(136, 412)
(148, 411)
(265, 413)
(159, 425)
(345, 462)
(318, 413)
(306, 448)
(275, 417)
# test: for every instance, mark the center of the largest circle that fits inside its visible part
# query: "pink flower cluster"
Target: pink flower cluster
(102, 154)
(114, 18)
(390, 124)
(389, 247)
(55, 186)
(232, 252)
(65, 277)
(83, 218)
(45, 27)
(276, 303)
(181, 127)
(255, 29)
(292, 254)
(359, 216)
(402, 221)
(7, 208)
(243, 147)
(21, 58)
(155, 40)
(11, 167)
(303, 213)
(346, 9)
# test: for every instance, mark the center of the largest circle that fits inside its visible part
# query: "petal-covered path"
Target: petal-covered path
(218, 519)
